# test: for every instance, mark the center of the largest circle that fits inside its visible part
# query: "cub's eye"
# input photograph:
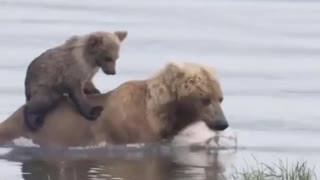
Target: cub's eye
(108, 59)
(220, 99)
(206, 101)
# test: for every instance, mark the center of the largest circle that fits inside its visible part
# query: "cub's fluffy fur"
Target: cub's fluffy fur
(69, 69)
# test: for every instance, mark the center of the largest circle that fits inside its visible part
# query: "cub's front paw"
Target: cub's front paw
(94, 113)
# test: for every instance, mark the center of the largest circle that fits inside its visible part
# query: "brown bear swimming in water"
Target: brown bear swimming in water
(138, 111)
(69, 69)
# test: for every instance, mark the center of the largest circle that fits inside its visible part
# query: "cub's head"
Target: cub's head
(104, 47)
(198, 94)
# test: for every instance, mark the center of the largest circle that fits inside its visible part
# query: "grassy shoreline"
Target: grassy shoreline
(281, 170)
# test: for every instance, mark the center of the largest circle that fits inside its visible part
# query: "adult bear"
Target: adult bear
(135, 112)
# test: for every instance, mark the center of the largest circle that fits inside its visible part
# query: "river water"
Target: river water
(267, 54)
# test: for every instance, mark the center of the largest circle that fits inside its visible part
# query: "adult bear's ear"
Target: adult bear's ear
(173, 71)
(121, 35)
(95, 40)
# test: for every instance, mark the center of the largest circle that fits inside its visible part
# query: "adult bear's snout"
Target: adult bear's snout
(218, 121)
(219, 125)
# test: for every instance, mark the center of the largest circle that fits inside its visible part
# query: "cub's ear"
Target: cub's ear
(121, 35)
(95, 40)
(173, 71)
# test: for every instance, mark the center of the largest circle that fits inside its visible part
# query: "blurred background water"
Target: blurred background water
(266, 53)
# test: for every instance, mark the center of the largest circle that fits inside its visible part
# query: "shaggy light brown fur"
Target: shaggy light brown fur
(69, 69)
(135, 112)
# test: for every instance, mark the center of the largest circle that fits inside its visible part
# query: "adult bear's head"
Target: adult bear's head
(192, 93)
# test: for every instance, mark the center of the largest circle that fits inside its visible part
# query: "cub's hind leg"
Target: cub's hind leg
(27, 94)
(38, 106)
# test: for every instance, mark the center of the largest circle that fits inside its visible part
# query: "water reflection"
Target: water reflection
(184, 163)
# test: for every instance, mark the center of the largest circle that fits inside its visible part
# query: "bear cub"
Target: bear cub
(69, 69)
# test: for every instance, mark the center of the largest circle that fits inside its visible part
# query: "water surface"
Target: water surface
(266, 53)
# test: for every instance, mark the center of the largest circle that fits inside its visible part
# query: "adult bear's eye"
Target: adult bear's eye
(206, 101)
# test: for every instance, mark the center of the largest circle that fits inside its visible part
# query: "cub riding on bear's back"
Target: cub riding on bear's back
(137, 111)
(69, 69)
